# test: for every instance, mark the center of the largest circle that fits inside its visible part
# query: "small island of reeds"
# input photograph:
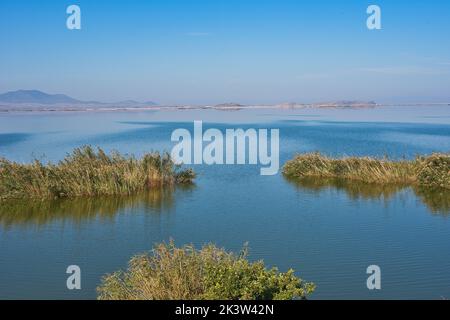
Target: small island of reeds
(431, 171)
(90, 172)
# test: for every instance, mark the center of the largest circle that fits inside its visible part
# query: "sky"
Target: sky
(217, 51)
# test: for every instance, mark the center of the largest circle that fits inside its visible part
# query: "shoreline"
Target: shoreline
(72, 109)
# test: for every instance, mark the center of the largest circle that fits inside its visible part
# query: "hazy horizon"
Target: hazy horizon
(205, 52)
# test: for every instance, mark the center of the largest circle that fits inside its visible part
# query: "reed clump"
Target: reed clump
(89, 172)
(433, 171)
(427, 171)
(171, 273)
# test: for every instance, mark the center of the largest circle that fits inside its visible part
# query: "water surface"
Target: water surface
(329, 231)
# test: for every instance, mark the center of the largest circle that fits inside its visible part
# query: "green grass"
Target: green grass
(171, 273)
(89, 172)
(426, 171)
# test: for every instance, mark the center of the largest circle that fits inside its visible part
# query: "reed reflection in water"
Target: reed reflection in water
(436, 200)
(82, 209)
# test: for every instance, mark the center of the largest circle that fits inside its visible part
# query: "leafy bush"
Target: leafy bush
(210, 273)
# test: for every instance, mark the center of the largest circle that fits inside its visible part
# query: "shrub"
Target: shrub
(210, 273)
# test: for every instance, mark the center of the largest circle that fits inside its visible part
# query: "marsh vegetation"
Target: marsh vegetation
(171, 273)
(90, 172)
(425, 171)
(370, 178)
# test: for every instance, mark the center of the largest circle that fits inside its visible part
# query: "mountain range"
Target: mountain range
(37, 97)
(35, 100)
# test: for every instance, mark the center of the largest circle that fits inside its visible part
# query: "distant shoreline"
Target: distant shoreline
(39, 101)
(28, 108)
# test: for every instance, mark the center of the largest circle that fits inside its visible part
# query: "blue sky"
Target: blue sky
(206, 52)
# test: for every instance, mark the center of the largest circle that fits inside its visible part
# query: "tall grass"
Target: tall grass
(431, 171)
(89, 172)
(171, 273)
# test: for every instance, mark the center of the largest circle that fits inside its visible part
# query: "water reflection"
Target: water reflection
(26, 212)
(437, 201)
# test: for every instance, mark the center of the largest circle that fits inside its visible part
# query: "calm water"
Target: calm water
(328, 231)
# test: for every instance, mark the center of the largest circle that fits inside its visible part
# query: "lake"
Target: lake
(328, 231)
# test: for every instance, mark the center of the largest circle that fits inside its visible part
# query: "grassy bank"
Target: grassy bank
(89, 172)
(171, 273)
(430, 172)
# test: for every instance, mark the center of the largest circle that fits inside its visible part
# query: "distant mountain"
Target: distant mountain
(149, 103)
(133, 103)
(35, 96)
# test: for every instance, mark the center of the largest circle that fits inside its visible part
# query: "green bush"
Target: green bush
(172, 273)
